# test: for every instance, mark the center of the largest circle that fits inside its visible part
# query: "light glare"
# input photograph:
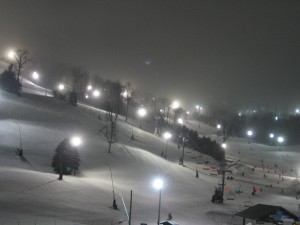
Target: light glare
(280, 139)
(249, 133)
(11, 54)
(175, 105)
(158, 184)
(180, 121)
(142, 112)
(75, 141)
(96, 93)
(167, 135)
(61, 87)
(35, 75)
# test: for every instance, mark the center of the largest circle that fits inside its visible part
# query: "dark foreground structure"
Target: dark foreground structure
(268, 214)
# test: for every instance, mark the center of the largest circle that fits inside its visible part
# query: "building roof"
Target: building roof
(267, 213)
(168, 222)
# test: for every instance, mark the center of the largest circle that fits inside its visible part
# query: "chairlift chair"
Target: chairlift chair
(238, 190)
(230, 196)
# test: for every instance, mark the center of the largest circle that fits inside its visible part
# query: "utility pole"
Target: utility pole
(20, 150)
(130, 207)
(183, 146)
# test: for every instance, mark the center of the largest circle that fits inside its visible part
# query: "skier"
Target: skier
(254, 190)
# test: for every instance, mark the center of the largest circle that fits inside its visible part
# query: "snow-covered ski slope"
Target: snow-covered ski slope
(30, 192)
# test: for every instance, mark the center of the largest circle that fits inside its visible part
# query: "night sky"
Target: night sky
(242, 53)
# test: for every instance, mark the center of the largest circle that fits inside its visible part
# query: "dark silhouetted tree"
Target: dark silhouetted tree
(19, 59)
(9, 81)
(66, 158)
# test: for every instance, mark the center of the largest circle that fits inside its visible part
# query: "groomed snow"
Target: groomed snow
(30, 192)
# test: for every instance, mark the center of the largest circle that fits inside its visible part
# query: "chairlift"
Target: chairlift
(206, 161)
(213, 171)
(230, 196)
(205, 167)
(238, 190)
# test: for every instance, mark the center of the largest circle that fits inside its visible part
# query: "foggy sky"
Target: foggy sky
(243, 53)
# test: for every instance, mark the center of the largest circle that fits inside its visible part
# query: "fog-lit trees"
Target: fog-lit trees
(227, 129)
(127, 96)
(177, 113)
(79, 79)
(111, 92)
(18, 59)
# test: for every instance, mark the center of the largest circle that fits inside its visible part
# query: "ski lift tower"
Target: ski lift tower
(223, 172)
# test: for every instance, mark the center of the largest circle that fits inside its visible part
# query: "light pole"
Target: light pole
(158, 185)
(187, 114)
(73, 142)
(199, 112)
(249, 133)
(127, 97)
(96, 94)
(271, 136)
(180, 121)
(167, 136)
(280, 140)
(142, 113)
(61, 91)
(183, 145)
(175, 106)
(115, 206)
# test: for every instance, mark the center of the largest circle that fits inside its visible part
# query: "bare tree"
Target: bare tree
(110, 130)
(165, 105)
(227, 129)
(18, 60)
(177, 114)
(79, 79)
